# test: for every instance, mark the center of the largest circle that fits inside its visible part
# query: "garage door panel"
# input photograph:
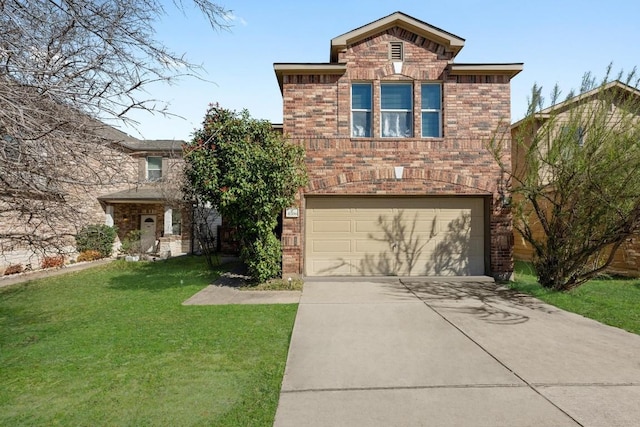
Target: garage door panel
(332, 226)
(439, 236)
(332, 246)
(366, 226)
(371, 246)
(332, 268)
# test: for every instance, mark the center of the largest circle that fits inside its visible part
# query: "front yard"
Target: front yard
(615, 302)
(114, 346)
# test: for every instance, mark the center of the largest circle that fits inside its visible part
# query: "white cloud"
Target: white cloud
(230, 17)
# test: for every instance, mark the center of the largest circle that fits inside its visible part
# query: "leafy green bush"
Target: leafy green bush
(250, 174)
(262, 255)
(96, 237)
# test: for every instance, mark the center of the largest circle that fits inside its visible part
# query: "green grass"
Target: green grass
(614, 301)
(114, 346)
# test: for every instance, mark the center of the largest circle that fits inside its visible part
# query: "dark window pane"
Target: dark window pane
(396, 96)
(361, 96)
(430, 125)
(431, 98)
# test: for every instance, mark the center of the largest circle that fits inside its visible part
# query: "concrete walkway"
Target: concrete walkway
(452, 353)
(225, 291)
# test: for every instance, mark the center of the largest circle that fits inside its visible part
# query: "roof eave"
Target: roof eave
(564, 105)
(510, 69)
(281, 69)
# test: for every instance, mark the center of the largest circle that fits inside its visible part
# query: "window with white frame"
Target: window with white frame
(154, 168)
(396, 110)
(176, 222)
(431, 105)
(361, 110)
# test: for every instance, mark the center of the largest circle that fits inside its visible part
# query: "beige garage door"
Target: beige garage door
(385, 236)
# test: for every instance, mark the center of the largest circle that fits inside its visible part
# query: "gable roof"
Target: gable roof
(397, 19)
(571, 102)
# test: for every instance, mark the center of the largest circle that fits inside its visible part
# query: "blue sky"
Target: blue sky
(556, 40)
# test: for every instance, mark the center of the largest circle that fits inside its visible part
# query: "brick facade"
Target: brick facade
(317, 114)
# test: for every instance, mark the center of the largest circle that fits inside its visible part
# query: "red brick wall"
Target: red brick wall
(317, 116)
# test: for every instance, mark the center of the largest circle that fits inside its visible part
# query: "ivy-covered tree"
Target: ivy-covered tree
(250, 173)
(575, 178)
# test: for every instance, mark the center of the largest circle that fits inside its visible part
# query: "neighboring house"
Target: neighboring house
(153, 202)
(145, 196)
(627, 258)
(400, 180)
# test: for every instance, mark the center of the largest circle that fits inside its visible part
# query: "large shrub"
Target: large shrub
(96, 237)
(250, 174)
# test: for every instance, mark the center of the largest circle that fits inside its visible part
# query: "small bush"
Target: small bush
(89, 256)
(52, 261)
(13, 269)
(131, 244)
(96, 238)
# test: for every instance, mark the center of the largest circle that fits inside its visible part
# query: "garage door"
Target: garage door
(385, 236)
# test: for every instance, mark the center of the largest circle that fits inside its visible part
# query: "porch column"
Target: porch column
(168, 221)
(108, 216)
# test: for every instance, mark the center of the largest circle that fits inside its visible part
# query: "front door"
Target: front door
(147, 232)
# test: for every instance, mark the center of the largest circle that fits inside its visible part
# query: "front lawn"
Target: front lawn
(615, 302)
(114, 346)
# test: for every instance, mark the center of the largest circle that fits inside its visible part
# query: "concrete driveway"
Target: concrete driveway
(414, 352)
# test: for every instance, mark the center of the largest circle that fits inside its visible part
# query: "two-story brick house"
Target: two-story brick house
(144, 194)
(400, 180)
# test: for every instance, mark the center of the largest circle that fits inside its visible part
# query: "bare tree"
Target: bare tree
(67, 67)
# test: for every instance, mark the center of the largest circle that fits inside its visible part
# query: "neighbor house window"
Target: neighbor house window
(431, 110)
(176, 222)
(577, 133)
(361, 110)
(154, 168)
(396, 112)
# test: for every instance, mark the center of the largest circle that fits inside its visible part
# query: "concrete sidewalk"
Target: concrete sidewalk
(452, 353)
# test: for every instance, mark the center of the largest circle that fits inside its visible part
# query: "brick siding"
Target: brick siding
(317, 115)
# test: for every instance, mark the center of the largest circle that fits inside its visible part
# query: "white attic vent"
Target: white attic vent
(396, 51)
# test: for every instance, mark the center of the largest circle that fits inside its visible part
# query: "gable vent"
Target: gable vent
(396, 52)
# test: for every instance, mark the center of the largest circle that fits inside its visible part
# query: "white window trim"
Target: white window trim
(431, 110)
(147, 168)
(382, 111)
(361, 110)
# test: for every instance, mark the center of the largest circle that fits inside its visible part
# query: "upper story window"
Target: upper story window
(361, 110)
(431, 110)
(396, 110)
(154, 168)
(575, 133)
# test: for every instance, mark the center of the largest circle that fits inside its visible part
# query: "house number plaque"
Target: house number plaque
(291, 213)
